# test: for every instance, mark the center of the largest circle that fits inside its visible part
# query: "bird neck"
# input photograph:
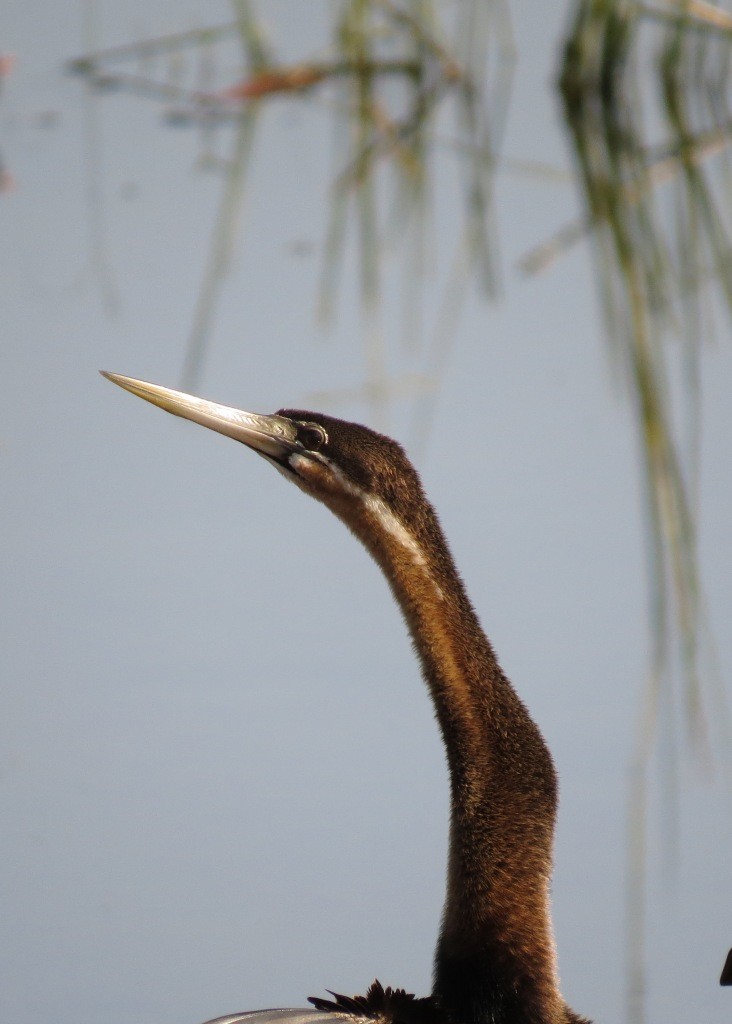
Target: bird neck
(495, 958)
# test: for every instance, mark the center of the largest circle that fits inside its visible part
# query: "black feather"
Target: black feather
(387, 1004)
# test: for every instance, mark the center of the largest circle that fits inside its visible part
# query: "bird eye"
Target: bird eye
(311, 436)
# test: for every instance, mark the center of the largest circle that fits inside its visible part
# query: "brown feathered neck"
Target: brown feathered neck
(495, 960)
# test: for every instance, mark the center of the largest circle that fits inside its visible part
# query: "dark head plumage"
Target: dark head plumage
(495, 959)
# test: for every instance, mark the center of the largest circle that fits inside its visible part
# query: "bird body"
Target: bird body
(495, 960)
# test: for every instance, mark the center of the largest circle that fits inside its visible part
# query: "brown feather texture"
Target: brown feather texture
(495, 961)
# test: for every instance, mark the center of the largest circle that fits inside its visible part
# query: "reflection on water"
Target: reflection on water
(644, 98)
(394, 77)
(7, 63)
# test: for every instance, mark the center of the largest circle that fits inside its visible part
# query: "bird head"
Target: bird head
(364, 477)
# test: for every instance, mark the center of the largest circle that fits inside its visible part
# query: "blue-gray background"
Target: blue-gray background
(221, 786)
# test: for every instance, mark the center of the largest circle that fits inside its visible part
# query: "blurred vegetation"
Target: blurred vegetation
(390, 70)
(644, 94)
(643, 88)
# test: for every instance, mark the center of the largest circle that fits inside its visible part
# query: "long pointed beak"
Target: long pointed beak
(273, 436)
